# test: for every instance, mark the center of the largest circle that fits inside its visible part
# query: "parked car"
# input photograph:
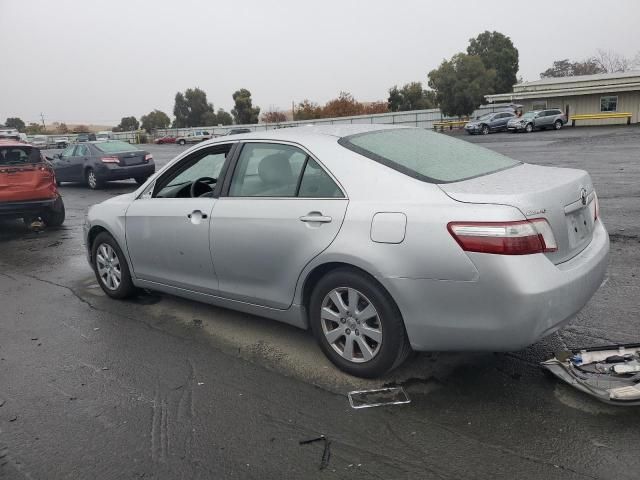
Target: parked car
(193, 137)
(28, 185)
(236, 131)
(104, 135)
(444, 245)
(489, 122)
(85, 137)
(165, 139)
(538, 119)
(95, 163)
(11, 134)
(39, 141)
(61, 142)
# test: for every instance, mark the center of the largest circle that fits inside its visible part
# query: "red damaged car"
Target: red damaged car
(28, 185)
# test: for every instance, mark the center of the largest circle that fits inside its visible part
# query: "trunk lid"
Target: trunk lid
(562, 196)
(131, 158)
(25, 182)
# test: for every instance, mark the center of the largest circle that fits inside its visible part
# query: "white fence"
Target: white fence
(415, 118)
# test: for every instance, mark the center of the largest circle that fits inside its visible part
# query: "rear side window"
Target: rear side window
(19, 155)
(427, 156)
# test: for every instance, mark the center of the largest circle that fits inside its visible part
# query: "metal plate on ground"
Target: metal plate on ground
(378, 398)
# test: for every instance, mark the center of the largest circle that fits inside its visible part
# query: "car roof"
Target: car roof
(13, 143)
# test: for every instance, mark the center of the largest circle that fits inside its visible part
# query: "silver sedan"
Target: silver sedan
(381, 240)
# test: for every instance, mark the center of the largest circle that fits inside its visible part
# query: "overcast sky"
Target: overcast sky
(97, 61)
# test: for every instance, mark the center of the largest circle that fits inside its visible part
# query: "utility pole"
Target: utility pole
(42, 117)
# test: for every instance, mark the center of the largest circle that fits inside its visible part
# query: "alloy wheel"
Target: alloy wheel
(351, 324)
(108, 266)
(91, 179)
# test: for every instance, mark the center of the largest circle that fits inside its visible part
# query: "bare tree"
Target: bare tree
(612, 62)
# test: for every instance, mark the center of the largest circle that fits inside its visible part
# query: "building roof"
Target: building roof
(569, 86)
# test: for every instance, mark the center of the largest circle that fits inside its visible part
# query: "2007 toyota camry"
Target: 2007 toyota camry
(380, 239)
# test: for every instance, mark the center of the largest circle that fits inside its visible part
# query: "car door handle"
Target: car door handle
(197, 213)
(315, 217)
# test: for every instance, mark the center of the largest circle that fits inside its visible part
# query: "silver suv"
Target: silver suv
(193, 137)
(538, 119)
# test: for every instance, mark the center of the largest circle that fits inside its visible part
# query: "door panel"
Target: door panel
(64, 165)
(168, 242)
(261, 245)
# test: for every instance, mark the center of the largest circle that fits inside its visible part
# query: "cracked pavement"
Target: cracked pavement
(160, 387)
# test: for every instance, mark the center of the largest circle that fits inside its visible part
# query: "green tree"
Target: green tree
(15, 122)
(410, 97)
(192, 109)
(244, 112)
(497, 52)
(461, 83)
(154, 120)
(307, 110)
(566, 68)
(128, 124)
(34, 128)
(223, 117)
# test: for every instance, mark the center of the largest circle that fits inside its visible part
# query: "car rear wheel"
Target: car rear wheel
(557, 125)
(92, 180)
(485, 130)
(357, 324)
(110, 266)
(528, 128)
(182, 142)
(55, 216)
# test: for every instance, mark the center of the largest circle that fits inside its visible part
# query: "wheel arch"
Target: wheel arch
(96, 230)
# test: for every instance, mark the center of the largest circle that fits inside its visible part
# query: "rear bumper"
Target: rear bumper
(18, 209)
(106, 172)
(516, 301)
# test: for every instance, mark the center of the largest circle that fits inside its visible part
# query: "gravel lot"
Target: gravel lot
(160, 387)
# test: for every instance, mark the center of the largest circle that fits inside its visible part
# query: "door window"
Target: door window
(82, 151)
(267, 170)
(203, 166)
(316, 183)
(68, 152)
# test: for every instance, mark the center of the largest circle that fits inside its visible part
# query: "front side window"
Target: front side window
(427, 156)
(202, 168)
(68, 152)
(267, 170)
(609, 104)
(82, 151)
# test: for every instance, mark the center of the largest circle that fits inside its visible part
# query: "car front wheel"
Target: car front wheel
(110, 266)
(357, 324)
(528, 128)
(182, 142)
(485, 130)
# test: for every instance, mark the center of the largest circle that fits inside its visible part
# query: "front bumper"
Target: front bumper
(19, 209)
(516, 127)
(106, 172)
(516, 301)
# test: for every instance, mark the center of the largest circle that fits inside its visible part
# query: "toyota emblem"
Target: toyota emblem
(583, 196)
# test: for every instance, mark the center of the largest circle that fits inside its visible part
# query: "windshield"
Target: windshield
(485, 116)
(529, 115)
(428, 156)
(115, 147)
(18, 155)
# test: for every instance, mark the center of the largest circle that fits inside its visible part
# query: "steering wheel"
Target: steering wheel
(206, 182)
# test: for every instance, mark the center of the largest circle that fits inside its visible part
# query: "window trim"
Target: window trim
(608, 96)
(235, 160)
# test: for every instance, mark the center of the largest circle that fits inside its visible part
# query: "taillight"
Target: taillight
(594, 207)
(505, 238)
(148, 157)
(110, 160)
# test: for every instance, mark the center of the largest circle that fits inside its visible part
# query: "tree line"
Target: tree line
(457, 86)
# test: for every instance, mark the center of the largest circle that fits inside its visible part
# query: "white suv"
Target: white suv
(193, 137)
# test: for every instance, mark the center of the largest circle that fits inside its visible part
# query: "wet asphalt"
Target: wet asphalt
(159, 387)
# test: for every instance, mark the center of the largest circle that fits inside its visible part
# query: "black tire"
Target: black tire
(528, 128)
(557, 125)
(394, 347)
(92, 180)
(182, 142)
(485, 130)
(140, 180)
(55, 216)
(126, 287)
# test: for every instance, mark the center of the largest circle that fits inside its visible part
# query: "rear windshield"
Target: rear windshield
(19, 155)
(115, 147)
(428, 156)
